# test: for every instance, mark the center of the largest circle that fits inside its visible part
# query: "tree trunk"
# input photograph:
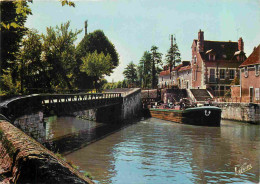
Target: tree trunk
(153, 75)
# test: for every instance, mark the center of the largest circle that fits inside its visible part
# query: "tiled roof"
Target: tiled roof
(253, 59)
(177, 67)
(184, 68)
(223, 50)
(166, 72)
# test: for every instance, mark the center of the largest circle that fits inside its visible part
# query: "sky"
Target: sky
(134, 26)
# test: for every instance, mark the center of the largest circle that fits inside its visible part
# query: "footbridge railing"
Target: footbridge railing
(57, 102)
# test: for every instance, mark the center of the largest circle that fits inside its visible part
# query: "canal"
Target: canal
(155, 151)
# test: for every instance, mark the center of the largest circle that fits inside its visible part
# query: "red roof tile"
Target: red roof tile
(185, 68)
(177, 67)
(253, 59)
(166, 72)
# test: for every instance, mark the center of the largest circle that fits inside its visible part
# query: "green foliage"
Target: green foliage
(7, 144)
(21, 65)
(8, 86)
(60, 156)
(88, 175)
(1, 134)
(97, 41)
(130, 73)
(66, 2)
(33, 65)
(60, 54)
(173, 57)
(156, 61)
(145, 70)
(13, 17)
(96, 65)
(114, 85)
(124, 84)
(149, 68)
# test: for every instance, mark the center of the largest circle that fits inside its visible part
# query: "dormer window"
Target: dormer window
(240, 57)
(211, 57)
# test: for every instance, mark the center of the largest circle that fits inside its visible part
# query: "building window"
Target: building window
(257, 93)
(231, 74)
(257, 68)
(251, 94)
(222, 90)
(212, 77)
(195, 59)
(246, 71)
(211, 57)
(222, 73)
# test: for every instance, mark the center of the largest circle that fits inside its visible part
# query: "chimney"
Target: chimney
(86, 27)
(240, 44)
(200, 41)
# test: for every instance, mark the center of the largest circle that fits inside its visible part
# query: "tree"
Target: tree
(130, 73)
(144, 70)
(124, 84)
(173, 56)
(97, 41)
(156, 60)
(60, 53)
(96, 65)
(13, 17)
(66, 2)
(33, 74)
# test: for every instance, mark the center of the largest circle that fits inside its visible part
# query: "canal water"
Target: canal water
(156, 152)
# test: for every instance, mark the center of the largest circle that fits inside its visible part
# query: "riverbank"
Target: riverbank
(24, 160)
(245, 112)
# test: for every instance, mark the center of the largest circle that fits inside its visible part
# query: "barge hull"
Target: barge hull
(202, 116)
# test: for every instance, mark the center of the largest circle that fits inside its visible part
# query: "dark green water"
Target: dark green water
(160, 152)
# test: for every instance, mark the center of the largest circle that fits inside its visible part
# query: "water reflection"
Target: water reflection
(62, 126)
(157, 151)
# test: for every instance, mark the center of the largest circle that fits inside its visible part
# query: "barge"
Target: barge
(202, 116)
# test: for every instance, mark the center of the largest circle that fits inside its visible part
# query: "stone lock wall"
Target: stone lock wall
(24, 160)
(132, 105)
(247, 112)
(33, 125)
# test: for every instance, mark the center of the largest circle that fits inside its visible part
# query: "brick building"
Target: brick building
(249, 78)
(215, 63)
